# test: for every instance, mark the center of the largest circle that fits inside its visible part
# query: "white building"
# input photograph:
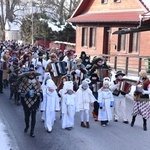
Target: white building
(11, 31)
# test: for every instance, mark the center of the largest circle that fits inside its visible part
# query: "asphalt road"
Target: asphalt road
(116, 136)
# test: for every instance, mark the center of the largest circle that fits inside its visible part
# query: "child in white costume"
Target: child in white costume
(84, 98)
(106, 101)
(68, 106)
(52, 105)
(43, 87)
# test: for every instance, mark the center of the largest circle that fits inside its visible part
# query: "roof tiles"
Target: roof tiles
(108, 17)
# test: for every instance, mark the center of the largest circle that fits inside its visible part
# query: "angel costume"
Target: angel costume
(52, 105)
(68, 106)
(84, 98)
(43, 87)
(106, 101)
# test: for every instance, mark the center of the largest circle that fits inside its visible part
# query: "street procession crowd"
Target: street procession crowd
(55, 81)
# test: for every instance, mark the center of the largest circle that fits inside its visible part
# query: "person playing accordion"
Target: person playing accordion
(98, 72)
(100, 68)
(57, 69)
(119, 97)
(78, 74)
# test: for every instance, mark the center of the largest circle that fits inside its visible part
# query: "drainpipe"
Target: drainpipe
(141, 18)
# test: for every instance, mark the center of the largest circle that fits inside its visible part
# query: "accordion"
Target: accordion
(4, 65)
(102, 73)
(124, 88)
(97, 86)
(59, 68)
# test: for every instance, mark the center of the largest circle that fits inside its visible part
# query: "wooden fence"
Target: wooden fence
(128, 63)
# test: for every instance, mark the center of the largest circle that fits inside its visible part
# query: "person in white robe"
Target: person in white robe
(84, 99)
(44, 87)
(40, 66)
(52, 105)
(106, 101)
(68, 106)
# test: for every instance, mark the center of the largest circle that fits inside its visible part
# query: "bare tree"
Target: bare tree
(58, 10)
(64, 8)
(8, 12)
(2, 23)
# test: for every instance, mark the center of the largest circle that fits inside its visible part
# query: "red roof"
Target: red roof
(107, 17)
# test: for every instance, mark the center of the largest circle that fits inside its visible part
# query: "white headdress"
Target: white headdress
(68, 85)
(46, 77)
(51, 84)
(85, 82)
(106, 80)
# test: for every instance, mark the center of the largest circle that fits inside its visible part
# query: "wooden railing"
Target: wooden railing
(128, 63)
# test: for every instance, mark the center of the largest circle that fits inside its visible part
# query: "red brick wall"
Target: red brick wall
(95, 5)
(92, 51)
(133, 61)
(145, 43)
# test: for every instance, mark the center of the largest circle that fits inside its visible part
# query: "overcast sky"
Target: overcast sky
(147, 3)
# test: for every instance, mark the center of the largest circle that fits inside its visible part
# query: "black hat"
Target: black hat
(119, 73)
(31, 67)
(94, 75)
(98, 59)
(82, 53)
(70, 52)
(40, 54)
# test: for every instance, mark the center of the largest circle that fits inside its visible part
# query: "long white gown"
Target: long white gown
(105, 97)
(52, 105)
(68, 110)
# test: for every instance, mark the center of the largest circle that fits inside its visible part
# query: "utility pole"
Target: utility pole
(32, 24)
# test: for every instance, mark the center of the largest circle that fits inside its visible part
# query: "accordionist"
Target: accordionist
(56, 69)
(119, 98)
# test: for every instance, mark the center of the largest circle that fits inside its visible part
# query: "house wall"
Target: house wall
(92, 51)
(145, 43)
(125, 5)
(121, 61)
(95, 5)
(12, 35)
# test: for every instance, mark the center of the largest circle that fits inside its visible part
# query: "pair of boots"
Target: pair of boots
(5, 83)
(144, 123)
(94, 115)
(31, 132)
(87, 125)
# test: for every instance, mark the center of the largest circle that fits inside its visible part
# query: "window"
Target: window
(134, 42)
(117, 1)
(92, 38)
(121, 42)
(129, 42)
(104, 1)
(84, 36)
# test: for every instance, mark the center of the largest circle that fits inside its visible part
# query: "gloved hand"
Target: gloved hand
(111, 103)
(136, 93)
(38, 94)
(100, 105)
